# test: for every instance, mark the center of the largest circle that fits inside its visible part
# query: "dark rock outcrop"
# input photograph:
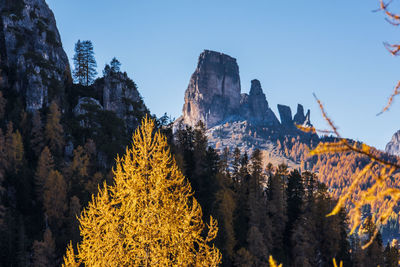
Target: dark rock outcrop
(119, 94)
(84, 103)
(286, 115)
(214, 90)
(307, 120)
(393, 147)
(301, 119)
(32, 61)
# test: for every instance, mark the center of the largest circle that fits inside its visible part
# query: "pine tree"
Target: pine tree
(84, 63)
(148, 217)
(276, 209)
(225, 206)
(54, 132)
(44, 251)
(14, 149)
(78, 71)
(55, 198)
(258, 220)
(244, 258)
(242, 212)
(44, 167)
(295, 197)
(37, 141)
(392, 255)
(115, 65)
(77, 173)
(236, 165)
(73, 223)
(374, 252)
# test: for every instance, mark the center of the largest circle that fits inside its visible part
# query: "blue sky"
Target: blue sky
(294, 47)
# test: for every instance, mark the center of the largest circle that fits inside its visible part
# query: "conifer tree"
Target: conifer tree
(295, 197)
(392, 254)
(73, 223)
(225, 206)
(78, 71)
(44, 251)
(44, 167)
(84, 63)
(54, 133)
(236, 165)
(55, 198)
(14, 149)
(37, 142)
(374, 252)
(258, 221)
(276, 209)
(148, 217)
(115, 65)
(77, 172)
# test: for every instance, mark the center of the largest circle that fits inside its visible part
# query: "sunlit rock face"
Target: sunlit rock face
(233, 118)
(393, 147)
(238, 120)
(214, 90)
(32, 60)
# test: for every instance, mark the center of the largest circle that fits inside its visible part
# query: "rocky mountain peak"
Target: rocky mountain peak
(393, 147)
(214, 89)
(255, 89)
(214, 97)
(299, 117)
(32, 60)
(257, 109)
(286, 115)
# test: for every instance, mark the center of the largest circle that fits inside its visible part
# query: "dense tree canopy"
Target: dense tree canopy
(148, 217)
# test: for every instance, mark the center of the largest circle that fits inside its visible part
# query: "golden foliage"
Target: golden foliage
(335, 264)
(393, 49)
(70, 259)
(378, 193)
(273, 263)
(149, 216)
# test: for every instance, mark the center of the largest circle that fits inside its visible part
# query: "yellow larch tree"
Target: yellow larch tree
(148, 216)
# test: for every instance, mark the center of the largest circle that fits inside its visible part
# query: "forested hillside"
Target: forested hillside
(198, 191)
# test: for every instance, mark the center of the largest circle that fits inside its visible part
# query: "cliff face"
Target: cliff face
(393, 147)
(255, 108)
(214, 89)
(32, 61)
(214, 97)
(235, 119)
(121, 96)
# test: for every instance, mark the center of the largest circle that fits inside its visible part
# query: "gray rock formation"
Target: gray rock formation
(214, 90)
(301, 119)
(121, 96)
(286, 115)
(214, 96)
(84, 106)
(84, 103)
(393, 147)
(307, 120)
(254, 107)
(32, 60)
